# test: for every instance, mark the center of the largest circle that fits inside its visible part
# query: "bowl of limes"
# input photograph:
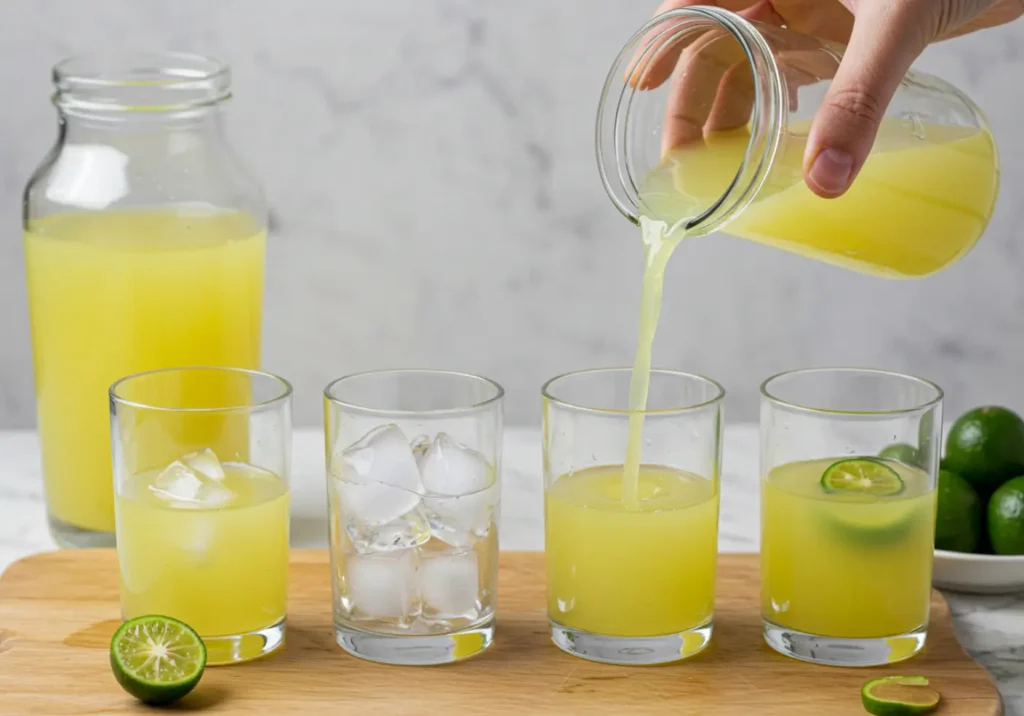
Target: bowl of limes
(979, 526)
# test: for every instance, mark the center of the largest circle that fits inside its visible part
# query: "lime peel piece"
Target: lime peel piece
(899, 696)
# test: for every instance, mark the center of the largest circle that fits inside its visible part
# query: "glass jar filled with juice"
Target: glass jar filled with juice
(703, 123)
(144, 245)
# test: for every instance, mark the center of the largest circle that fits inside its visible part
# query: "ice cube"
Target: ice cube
(377, 478)
(461, 491)
(449, 583)
(183, 487)
(383, 586)
(451, 468)
(409, 530)
(214, 495)
(205, 462)
(177, 482)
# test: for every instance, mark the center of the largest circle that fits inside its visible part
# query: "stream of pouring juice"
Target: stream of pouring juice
(920, 203)
(118, 292)
(658, 248)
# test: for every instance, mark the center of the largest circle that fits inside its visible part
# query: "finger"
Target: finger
(999, 14)
(886, 39)
(660, 48)
(735, 98)
(691, 96)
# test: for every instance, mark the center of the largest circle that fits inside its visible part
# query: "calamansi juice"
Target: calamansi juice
(921, 201)
(220, 569)
(118, 292)
(845, 564)
(646, 569)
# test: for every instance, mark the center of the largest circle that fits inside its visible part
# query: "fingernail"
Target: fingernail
(831, 171)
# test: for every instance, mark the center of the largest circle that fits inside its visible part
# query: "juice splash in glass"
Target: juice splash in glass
(631, 561)
(847, 537)
(144, 245)
(200, 539)
(609, 568)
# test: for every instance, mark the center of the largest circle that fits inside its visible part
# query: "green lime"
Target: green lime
(902, 452)
(898, 696)
(863, 475)
(958, 520)
(1006, 518)
(157, 659)
(986, 447)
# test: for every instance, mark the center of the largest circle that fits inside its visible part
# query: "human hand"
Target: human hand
(883, 38)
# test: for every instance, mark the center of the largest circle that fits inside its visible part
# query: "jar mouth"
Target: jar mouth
(633, 115)
(140, 82)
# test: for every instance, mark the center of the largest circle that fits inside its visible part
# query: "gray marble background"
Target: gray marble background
(436, 203)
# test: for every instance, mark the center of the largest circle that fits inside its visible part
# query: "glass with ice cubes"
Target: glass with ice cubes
(413, 466)
(201, 464)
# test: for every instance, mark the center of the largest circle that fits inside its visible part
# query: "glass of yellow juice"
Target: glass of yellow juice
(849, 459)
(631, 553)
(201, 469)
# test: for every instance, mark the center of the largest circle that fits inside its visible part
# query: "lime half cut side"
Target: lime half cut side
(862, 475)
(157, 659)
(899, 696)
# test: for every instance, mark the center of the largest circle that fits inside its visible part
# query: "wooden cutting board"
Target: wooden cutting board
(59, 610)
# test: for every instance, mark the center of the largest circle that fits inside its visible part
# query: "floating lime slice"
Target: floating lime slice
(862, 475)
(899, 696)
(157, 659)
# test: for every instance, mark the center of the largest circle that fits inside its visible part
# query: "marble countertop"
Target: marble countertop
(990, 627)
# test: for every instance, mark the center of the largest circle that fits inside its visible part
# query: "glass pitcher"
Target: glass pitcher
(741, 96)
(144, 246)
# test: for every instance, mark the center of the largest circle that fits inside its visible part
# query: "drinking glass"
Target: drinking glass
(848, 472)
(201, 469)
(631, 562)
(413, 466)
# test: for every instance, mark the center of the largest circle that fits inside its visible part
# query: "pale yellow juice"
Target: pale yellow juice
(643, 570)
(119, 292)
(222, 571)
(658, 248)
(848, 565)
(918, 204)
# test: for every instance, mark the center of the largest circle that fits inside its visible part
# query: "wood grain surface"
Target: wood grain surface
(59, 610)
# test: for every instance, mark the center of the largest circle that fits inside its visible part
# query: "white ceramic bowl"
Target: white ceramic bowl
(978, 573)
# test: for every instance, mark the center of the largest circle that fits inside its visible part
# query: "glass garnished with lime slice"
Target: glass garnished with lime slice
(848, 506)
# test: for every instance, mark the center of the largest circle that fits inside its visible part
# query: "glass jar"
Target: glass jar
(703, 123)
(144, 246)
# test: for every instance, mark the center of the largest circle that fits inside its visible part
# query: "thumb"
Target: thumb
(887, 37)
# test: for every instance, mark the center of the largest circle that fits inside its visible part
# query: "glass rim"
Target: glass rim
(719, 396)
(499, 393)
(767, 117)
(192, 80)
(923, 406)
(283, 396)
